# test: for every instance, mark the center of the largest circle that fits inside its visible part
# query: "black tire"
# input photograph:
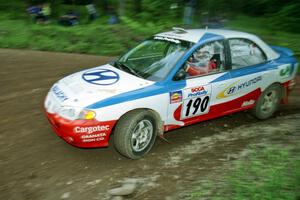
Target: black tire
(129, 133)
(268, 102)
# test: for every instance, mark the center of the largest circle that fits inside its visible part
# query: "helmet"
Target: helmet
(201, 56)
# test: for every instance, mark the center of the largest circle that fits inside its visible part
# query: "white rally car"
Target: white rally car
(171, 80)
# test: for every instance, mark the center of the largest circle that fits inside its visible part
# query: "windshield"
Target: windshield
(153, 59)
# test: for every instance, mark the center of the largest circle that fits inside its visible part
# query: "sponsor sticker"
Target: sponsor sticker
(248, 103)
(176, 97)
(285, 71)
(93, 137)
(195, 106)
(238, 86)
(196, 101)
(91, 129)
(197, 91)
(59, 93)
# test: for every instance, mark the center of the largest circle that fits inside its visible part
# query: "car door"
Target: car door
(247, 75)
(196, 100)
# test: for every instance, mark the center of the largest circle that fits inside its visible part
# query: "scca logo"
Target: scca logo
(197, 89)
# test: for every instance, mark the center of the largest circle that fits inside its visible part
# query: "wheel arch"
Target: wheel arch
(160, 122)
(283, 89)
(263, 112)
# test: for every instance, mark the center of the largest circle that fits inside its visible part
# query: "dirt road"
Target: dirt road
(36, 164)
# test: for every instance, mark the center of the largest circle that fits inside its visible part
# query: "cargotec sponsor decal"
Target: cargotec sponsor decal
(236, 87)
(59, 93)
(101, 77)
(91, 129)
(196, 101)
(176, 97)
(285, 70)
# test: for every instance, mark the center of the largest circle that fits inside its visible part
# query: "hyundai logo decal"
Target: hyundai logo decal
(101, 77)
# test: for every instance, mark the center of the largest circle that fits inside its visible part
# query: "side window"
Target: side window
(245, 53)
(207, 59)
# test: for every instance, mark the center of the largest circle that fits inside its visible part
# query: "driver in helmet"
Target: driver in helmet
(200, 62)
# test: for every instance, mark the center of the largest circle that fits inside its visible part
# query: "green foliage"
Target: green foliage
(95, 38)
(13, 9)
(282, 14)
(287, 18)
(266, 174)
(158, 10)
(100, 38)
(262, 28)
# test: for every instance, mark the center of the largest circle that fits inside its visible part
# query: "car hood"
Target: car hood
(92, 85)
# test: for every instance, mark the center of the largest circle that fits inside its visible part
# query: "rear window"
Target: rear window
(245, 53)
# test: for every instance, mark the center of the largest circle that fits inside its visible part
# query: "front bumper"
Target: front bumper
(81, 133)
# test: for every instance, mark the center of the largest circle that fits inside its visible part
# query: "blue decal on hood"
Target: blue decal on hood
(101, 77)
(59, 93)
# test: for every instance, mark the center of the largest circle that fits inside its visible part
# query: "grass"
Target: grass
(266, 174)
(102, 39)
(94, 38)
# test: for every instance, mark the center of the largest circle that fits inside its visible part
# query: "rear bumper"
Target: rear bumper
(81, 133)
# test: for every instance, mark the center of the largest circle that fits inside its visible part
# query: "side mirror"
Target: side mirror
(180, 75)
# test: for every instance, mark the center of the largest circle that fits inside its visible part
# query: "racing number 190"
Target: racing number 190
(197, 104)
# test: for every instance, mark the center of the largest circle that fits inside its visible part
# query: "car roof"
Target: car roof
(195, 35)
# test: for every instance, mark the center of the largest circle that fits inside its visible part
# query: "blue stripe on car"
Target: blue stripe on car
(152, 90)
(247, 71)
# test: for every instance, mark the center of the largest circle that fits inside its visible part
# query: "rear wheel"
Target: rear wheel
(135, 133)
(268, 102)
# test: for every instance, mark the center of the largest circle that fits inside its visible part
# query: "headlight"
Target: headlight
(87, 114)
(67, 112)
(73, 113)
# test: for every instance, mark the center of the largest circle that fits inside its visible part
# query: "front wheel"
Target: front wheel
(268, 102)
(135, 133)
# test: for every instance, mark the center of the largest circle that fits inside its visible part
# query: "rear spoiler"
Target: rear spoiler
(283, 51)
